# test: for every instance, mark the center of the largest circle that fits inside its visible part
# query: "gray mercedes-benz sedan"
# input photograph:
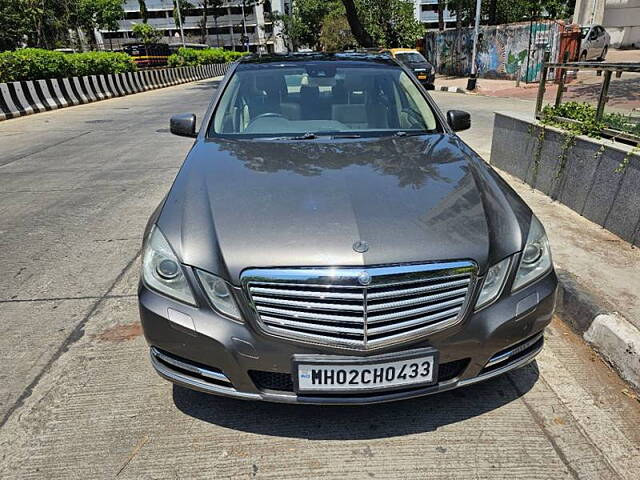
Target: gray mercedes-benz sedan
(330, 239)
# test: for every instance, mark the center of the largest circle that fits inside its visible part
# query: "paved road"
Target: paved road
(79, 399)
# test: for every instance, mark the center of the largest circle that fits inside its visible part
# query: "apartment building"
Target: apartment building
(235, 25)
(427, 12)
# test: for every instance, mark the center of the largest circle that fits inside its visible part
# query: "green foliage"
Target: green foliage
(304, 24)
(35, 64)
(391, 23)
(585, 119)
(146, 33)
(188, 57)
(584, 123)
(102, 14)
(509, 11)
(336, 34)
(53, 23)
(14, 28)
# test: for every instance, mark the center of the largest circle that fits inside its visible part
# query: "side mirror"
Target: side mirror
(458, 120)
(183, 125)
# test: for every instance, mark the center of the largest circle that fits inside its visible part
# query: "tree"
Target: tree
(359, 32)
(144, 13)
(383, 23)
(215, 6)
(14, 28)
(102, 14)
(304, 23)
(336, 33)
(441, 7)
(177, 16)
(146, 33)
(203, 21)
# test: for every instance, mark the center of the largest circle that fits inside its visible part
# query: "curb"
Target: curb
(612, 335)
(18, 99)
(450, 89)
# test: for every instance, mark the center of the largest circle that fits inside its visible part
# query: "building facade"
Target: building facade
(427, 12)
(620, 18)
(236, 25)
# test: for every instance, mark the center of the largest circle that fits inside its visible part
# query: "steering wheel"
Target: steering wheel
(268, 115)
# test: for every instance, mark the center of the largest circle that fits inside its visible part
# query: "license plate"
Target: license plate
(422, 77)
(328, 374)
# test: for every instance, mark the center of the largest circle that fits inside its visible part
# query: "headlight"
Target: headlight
(536, 256)
(219, 294)
(493, 283)
(161, 270)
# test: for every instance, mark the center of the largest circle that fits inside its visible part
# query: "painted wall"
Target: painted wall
(503, 51)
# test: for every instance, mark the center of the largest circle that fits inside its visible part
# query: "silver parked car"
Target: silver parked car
(594, 44)
(330, 239)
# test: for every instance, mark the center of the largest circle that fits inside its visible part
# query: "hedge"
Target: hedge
(35, 63)
(188, 57)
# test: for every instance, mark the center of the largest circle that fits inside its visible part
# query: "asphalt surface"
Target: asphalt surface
(79, 399)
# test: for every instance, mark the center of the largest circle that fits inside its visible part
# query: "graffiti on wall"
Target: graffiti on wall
(504, 51)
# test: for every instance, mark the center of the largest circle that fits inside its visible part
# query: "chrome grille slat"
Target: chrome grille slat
(340, 307)
(373, 319)
(330, 306)
(310, 315)
(377, 307)
(372, 295)
(410, 323)
(319, 327)
(326, 295)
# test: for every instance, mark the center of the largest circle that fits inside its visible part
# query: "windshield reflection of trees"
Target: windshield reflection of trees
(412, 160)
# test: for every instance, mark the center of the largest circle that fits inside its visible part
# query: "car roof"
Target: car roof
(403, 50)
(319, 56)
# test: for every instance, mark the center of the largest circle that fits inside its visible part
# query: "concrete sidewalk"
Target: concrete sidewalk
(599, 272)
(624, 92)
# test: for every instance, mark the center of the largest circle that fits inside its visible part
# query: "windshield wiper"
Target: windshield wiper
(413, 134)
(306, 136)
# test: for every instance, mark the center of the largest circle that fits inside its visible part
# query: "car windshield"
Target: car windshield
(584, 31)
(410, 57)
(320, 98)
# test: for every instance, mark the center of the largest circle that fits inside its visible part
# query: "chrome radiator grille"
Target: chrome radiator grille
(360, 308)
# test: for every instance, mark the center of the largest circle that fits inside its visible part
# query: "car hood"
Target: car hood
(238, 204)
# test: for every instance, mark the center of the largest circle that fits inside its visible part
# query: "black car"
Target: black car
(414, 61)
(330, 239)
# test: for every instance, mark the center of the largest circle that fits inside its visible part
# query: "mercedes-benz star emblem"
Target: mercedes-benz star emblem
(360, 246)
(364, 278)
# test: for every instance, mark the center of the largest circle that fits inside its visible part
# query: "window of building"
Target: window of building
(433, 7)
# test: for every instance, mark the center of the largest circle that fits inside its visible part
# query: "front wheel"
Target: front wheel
(583, 56)
(604, 53)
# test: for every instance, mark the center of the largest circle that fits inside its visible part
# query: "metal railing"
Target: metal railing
(604, 70)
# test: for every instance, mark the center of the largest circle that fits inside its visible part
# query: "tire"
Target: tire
(603, 55)
(583, 56)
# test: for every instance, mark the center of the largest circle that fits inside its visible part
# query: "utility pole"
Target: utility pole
(471, 82)
(180, 22)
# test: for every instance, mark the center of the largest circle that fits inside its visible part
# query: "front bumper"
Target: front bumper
(224, 357)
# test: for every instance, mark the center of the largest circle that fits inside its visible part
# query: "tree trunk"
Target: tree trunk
(441, 5)
(493, 6)
(358, 30)
(205, 12)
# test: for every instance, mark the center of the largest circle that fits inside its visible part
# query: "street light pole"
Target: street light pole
(180, 21)
(471, 83)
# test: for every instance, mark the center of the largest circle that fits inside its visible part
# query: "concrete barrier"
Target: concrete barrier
(580, 172)
(34, 96)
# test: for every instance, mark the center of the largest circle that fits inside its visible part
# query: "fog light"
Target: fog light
(168, 269)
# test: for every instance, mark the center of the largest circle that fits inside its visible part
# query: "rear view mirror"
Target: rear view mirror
(458, 120)
(183, 125)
